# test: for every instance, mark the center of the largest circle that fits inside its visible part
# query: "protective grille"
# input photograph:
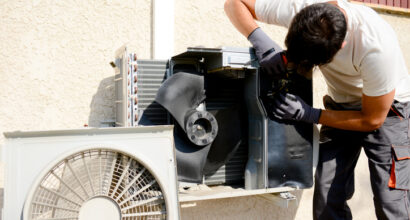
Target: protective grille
(98, 173)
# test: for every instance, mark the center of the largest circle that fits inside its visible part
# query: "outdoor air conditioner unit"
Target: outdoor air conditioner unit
(90, 173)
(219, 102)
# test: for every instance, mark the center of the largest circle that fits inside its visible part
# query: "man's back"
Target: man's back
(370, 62)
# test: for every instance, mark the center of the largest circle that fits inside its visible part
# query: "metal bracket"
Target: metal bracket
(283, 199)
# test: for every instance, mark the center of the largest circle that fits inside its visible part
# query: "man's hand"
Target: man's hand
(292, 107)
(268, 52)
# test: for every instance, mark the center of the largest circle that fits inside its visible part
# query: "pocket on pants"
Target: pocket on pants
(400, 169)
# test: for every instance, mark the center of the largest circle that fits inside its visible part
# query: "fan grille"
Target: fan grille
(98, 173)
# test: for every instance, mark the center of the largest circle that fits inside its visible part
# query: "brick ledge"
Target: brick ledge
(387, 9)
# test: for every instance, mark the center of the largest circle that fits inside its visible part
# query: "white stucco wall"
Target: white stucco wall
(55, 74)
(54, 59)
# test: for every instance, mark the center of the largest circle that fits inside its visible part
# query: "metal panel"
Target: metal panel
(123, 114)
(256, 168)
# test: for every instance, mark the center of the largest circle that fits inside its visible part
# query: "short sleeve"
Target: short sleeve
(280, 12)
(379, 70)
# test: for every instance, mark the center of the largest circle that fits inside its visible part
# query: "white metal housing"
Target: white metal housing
(29, 156)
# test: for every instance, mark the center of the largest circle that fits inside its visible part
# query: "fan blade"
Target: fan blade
(181, 93)
(190, 158)
(195, 130)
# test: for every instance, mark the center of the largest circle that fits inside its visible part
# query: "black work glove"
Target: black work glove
(292, 107)
(268, 52)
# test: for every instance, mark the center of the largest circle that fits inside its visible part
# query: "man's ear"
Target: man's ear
(343, 44)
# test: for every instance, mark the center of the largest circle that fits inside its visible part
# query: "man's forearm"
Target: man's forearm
(371, 117)
(241, 13)
(349, 120)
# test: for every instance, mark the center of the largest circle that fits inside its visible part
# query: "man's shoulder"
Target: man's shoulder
(281, 12)
(372, 30)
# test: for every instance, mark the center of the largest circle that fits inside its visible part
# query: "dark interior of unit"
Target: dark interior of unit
(223, 160)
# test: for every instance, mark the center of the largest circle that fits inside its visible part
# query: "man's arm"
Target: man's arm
(242, 15)
(371, 117)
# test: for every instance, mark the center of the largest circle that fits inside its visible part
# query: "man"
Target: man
(368, 101)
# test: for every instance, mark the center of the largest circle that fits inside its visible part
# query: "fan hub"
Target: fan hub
(102, 208)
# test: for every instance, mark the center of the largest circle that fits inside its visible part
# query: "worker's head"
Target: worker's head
(315, 35)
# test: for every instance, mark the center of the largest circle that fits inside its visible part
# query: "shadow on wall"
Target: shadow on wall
(102, 106)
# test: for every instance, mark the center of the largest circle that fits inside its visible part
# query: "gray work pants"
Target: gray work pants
(388, 153)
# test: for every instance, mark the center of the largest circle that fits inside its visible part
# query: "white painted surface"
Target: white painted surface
(163, 29)
(31, 156)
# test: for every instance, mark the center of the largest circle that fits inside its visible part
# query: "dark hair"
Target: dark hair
(315, 35)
